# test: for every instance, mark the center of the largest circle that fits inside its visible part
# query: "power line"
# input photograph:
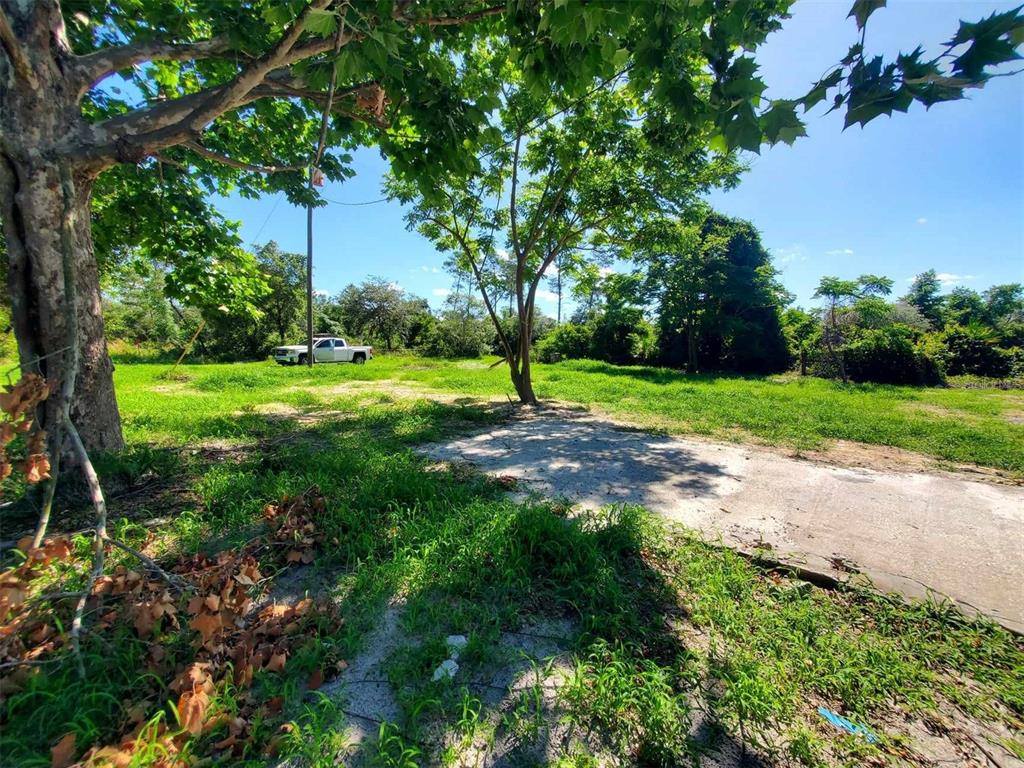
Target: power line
(264, 224)
(365, 202)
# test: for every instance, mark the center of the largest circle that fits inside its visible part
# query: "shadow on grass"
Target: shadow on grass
(451, 552)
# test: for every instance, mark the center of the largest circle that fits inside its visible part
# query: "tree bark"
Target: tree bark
(32, 211)
(35, 117)
(522, 378)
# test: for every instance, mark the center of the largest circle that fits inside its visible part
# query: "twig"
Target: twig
(96, 492)
(28, 663)
(54, 596)
(175, 581)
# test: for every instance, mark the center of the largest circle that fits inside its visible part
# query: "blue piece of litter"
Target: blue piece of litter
(845, 725)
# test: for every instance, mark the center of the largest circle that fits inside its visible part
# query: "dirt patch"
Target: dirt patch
(1014, 417)
(915, 533)
(886, 458)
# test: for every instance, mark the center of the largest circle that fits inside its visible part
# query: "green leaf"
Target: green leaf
(820, 89)
(780, 123)
(277, 15)
(321, 22)
(862, 9)
(620, 58)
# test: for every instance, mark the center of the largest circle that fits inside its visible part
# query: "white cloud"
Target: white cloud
(442, 292)
(395, 286)
(840, 252)
(320, 292)
(547, 295)
(501, 253)
(948, 278)
(922, 220)
(605, 271)
(794, 252)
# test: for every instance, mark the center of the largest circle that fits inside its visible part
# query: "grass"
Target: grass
(674, 647)
(979, 426)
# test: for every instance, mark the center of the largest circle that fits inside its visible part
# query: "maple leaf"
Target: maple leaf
(277, 662)
(207, 625)
(62, 752)
(36, 468)
(192, 710)
(57, 549)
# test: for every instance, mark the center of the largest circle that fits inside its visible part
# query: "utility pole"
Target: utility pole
(309, 272)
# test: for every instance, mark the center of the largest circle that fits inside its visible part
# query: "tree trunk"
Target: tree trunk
(691, 347)
(32, 212)
(38, 112)
(559, 279)
(522, 378)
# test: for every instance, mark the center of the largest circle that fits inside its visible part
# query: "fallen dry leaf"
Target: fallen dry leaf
(316, 679)
(62, 752)
(192, 710)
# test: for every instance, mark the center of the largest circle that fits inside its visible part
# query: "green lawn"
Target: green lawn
(665, 631)
(980, 426)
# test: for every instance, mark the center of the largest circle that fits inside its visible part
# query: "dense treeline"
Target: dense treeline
(701, 296)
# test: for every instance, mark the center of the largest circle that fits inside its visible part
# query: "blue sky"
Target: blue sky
(942, 189)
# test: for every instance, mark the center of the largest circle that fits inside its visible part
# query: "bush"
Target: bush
(569, 341)
(622, 336)
(890, 356)
(971, 349)
(457, 337)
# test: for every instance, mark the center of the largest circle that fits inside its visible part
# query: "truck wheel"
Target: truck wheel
(359, 359)
(302, 359)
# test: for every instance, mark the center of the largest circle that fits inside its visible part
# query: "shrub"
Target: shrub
(568, 341)
(457, 337)
(971, 349)
(890, 355)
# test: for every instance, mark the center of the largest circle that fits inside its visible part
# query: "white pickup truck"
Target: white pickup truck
(326, 349)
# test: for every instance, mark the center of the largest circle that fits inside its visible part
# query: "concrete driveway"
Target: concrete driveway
(907, 532)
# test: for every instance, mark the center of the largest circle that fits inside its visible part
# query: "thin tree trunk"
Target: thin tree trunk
(691, 346)
(559, 287)
(522, 379)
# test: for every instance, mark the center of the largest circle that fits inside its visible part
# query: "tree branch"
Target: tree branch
(15, 51)
(97, 65)
(454, 21)
(202, 151)
(256, 72)
(480, 284)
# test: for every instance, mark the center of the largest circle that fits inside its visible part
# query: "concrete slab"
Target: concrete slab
(908, 532)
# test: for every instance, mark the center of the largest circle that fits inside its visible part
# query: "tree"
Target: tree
(837, 294)
(286, 279)
(924, 294)
(800, 328)
(377, 309)
(236, 97)
(718, 297)
(1004, 304)
(463, 329)
(583, 181)
(963, 306)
